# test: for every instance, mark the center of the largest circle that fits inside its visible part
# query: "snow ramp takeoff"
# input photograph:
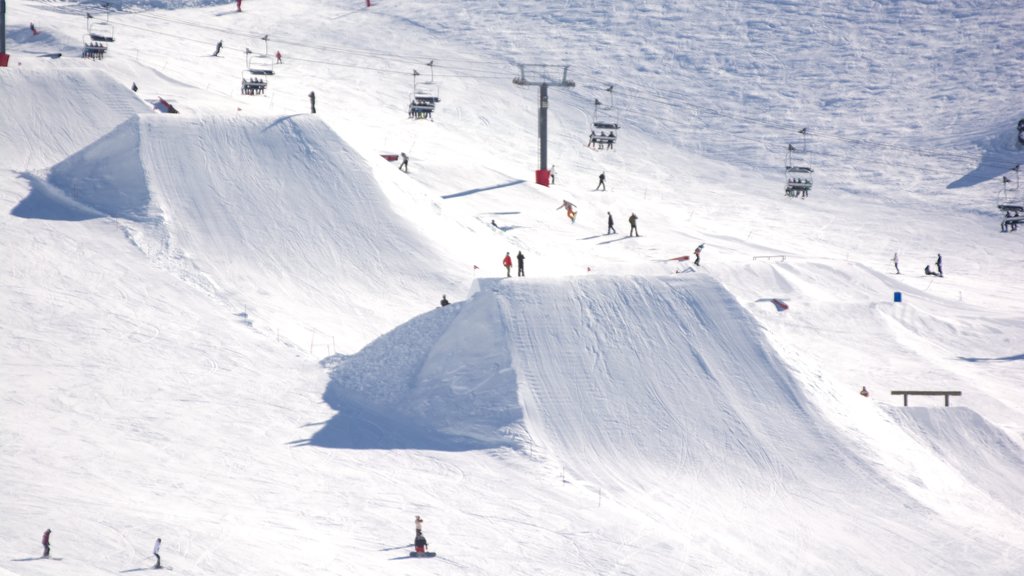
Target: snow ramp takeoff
(49, 114)
(661, 396)
(277, 215)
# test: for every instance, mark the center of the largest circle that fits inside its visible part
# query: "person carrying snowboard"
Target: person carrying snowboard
(156, 552)
(507, 263)
(46, 543)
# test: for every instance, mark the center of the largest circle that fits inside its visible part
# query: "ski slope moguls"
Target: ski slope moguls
(222, 327)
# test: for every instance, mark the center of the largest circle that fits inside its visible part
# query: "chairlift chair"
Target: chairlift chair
(252, 86)
(93, 49)
(101, 31)
(799, 173)
(261, 64)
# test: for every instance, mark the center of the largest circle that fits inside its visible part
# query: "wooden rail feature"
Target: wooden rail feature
(908, 393)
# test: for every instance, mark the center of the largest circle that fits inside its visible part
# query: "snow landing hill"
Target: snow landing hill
(220, 327)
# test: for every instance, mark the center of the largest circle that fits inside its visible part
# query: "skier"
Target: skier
(938, 265)
(864, 391)
(611, 224)
(444, 302)
(220, 44)
(404, 166)
(46, 543)
(278, 56)
(896, 261)
(507, 263)
(156, 552)
(696, 261)
(520, 258)
(600, 182)
(312, 102)
(632, 225)
(420, 542)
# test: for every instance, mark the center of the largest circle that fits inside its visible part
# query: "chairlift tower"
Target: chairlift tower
(4, 57)
(540, 77)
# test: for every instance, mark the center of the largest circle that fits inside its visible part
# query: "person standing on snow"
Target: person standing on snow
(507, 263)
(632, 225)
(696, 253)
(312, 102)
(238, 5)
(520, 258)
(938, 265)
(611, 224)
(220, 44)
(600, 182)
(896, 261)
(404, 166)
(156, 552)
(419, 524)
(46, 543)
(278, 55)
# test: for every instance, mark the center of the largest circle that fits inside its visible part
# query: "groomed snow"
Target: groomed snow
(221, 327)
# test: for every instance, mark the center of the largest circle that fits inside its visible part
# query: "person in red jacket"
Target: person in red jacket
(238, 5)
(507, 263)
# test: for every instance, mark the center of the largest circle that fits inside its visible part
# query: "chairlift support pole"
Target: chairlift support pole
(542, 114)
(4, 57)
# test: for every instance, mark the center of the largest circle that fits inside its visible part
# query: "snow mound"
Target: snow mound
(50, 114)
(277, 214)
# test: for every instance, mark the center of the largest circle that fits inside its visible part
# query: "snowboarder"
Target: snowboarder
(928, 271)
(507, 263)
(938, 265)
(404, 166)
(632, 225)
(46, 543)
(156, 552)
(419, 524)
(134, 87)
(32, 27)
(520, 258)
(278, 56)
(696, 261)
(611, 224)
(312, 102)
(420, 542)
(570, 210)
(238, 5)
(220, 44)
(600, 182)
(896, 261)
(864, 391)
(444, 302)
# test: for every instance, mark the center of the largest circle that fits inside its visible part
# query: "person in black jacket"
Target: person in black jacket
(312, 102)
(444, 300)
(520, 258)
(611, 224)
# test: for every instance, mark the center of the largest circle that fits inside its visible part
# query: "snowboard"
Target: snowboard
(415, 554)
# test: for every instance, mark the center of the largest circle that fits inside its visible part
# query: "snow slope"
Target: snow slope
(165, 307)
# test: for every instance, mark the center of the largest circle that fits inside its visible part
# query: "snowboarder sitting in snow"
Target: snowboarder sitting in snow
(444, 302)
(864, 391)
(420, 542)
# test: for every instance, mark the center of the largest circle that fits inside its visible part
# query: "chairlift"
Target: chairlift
(799, 172)
(100, 31)
(93, 49)
(251, 85)
(260, 64)
(604, 123)
(424, 99)
(1011, 200)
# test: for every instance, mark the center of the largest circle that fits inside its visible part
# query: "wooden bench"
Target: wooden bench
(907, 393)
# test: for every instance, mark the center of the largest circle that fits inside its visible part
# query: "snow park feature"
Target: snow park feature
(224, 327)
